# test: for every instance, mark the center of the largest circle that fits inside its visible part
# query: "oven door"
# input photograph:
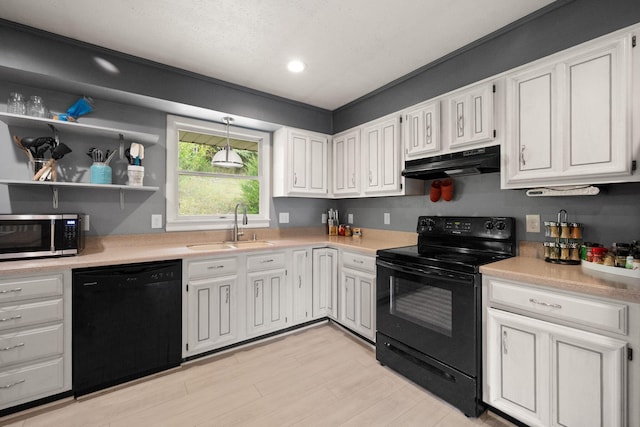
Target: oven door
(431, 310)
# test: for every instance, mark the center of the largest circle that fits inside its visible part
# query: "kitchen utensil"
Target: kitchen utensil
(56, 154)
(23, 148)
(135, 153)
(110, 157)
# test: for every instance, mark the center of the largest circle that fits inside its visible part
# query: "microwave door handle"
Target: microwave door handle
(52, 245)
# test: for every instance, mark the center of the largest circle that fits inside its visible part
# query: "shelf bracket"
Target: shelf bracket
(54, 190)
(121, 148)
(121, 198)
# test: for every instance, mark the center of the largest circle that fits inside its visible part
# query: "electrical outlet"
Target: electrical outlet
(85, 223)
(350, 218)
(156, 221)
(324, 218)
(284, 218)
(533, 223)
(387, 218)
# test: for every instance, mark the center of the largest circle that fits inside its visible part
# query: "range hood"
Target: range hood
(470, 162)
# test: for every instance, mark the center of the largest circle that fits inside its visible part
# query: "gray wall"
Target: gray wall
(612, 216)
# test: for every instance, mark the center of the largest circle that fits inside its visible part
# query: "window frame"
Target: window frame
(214, 222)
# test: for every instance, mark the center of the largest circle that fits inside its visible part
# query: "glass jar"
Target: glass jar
(347, 231)
(598, 255)
(565, 230)
(576, 230)
(16, 104)
(36, 108)
(547, 249)
(564, 252)
(551, 229)
(554, 251)
(574, 252)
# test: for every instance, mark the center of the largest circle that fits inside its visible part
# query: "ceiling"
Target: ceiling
(350, 47)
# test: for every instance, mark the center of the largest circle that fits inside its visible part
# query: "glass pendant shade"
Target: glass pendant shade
(227, 158)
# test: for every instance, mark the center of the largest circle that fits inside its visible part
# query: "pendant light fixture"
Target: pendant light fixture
(227, 158)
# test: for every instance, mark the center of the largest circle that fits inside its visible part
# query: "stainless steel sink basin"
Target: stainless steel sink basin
(210, 246)
(251, 244)
(217, 246)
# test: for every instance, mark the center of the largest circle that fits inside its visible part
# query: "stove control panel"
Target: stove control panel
(481, 227)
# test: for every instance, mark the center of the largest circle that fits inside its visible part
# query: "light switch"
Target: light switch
(387, 218)
(284, 218)
(350, 218)
(533, 223)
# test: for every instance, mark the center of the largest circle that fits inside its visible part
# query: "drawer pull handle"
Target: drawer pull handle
(546, 304)
(358, 261)
(12, 347)
(215, 267)
(12, 384)
(6, 291)
(6, 319)
(266, 261)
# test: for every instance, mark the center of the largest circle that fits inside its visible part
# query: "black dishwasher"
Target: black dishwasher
(127, 323)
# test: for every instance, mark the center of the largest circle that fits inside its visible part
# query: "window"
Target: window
(201, 196)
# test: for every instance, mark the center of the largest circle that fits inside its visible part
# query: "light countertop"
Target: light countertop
(114, 250)
(565, 277)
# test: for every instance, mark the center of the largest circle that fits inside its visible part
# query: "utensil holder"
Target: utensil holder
(136, 175)
(101, 173)
(37, 164)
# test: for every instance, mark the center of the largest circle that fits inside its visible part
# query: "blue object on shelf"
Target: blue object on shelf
(100, 173)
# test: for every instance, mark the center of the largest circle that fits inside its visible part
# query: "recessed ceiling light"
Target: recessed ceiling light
(295, 66)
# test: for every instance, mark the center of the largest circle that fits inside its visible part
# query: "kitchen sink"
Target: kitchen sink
(251, 244)
(217, 246)
(210, 246)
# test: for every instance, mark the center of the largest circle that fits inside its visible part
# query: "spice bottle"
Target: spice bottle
(576, 230)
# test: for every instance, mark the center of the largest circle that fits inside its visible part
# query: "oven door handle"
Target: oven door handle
(432, 272)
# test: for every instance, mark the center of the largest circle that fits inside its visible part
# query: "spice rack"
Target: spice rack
(563, 240)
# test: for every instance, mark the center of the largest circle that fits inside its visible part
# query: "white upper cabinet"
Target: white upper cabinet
(471, 116)
(300, 163)
(422, 129)
(382, 156)
(568, 118)
(346, 163)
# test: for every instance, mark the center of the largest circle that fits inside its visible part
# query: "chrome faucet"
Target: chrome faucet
(245, 221)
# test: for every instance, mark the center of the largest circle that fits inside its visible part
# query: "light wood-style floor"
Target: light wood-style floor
(321, 376)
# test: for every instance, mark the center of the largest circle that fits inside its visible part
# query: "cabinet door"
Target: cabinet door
(472, 116)
(348, 299)
(212, 314)
(365, 296)
(299, 148)
(422, 130)
(325, 282)
(382, 157)
(266, 302)
(317, 168)
(532, 125)
(596, 131)
(587, 380)
(301, 287)
(346, 162)
(516, 364)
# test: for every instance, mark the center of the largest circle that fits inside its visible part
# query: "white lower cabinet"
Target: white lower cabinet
(267, 293)
(35, 337)
(210, 299)
(325, 283)
(301, 286)
(357, 294)
(212, 318)
(545, 372)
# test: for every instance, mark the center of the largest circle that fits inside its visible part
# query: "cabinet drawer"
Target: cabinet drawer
(266, 262)
(359, 262)
(30, 287)
(31, 382)
(18, 347)
(15, 316)
(213, 267)
(604, 315)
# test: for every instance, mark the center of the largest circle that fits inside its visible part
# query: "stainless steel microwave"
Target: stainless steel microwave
(33, 236)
